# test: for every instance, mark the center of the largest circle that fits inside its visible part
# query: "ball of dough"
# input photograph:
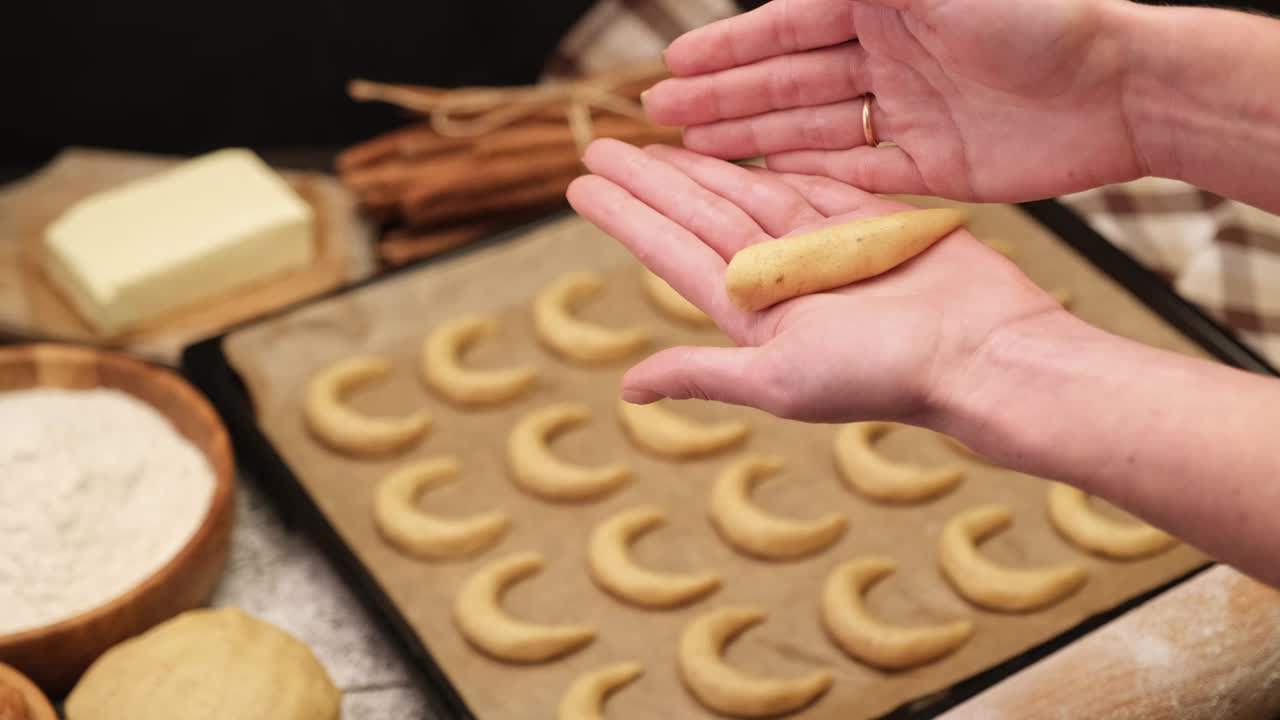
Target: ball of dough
(207, 664)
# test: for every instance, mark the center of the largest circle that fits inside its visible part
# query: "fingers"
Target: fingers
(666, 248)
(718, 222)
(837, 126)
(877, 170)
(780, 27)
(815, 77)
(772, 204)
(832, 197)
(705, 373)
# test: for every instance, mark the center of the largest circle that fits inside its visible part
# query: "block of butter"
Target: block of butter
(202, 228)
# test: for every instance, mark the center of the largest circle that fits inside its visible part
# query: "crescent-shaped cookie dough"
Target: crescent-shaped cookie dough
(995, 586)
(478, 613)
(343, 429)
(425, 536)
(443, 371)
(662, 432)
(577, 339)
(537, 470)
(879, 478)
(612, 568)
(1071, 515)
(734, 692)
(671, 303)
(584, 700)
(891, 647)
(745, 526)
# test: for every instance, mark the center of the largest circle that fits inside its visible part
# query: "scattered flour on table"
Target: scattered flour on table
(97, 492)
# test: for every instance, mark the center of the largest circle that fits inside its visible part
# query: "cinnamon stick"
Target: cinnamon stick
(417, 140)
(526, 137)
(541, 192)
(470, 175)
(403, 245)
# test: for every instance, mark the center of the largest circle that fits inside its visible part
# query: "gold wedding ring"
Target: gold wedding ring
(868, 132)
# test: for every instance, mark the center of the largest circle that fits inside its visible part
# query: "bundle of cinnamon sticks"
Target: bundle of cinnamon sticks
(485, 159)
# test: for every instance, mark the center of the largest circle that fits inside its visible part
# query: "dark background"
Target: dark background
(182, 76)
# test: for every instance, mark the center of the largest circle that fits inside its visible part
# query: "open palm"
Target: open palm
(888, 348)
(991, 100)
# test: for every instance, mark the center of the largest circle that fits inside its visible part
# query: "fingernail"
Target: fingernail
(642, 96)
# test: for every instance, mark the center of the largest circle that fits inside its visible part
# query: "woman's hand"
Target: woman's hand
(988, 100)
(892, 347)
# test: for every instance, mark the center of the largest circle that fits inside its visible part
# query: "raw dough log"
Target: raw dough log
(1071, 515)
(478, 613)
(879, 478)
(584, 700)
(443, 371)
(426, 536)
(994, 586)
(665, 433)
(613, 569)
(734, 692)
(343, 429)
(767, 273)
(857, 632)
(746, 527)
(540, 472)
(577, 339)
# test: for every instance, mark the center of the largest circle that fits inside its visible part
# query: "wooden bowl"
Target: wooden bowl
(37, 705)
(56, 655)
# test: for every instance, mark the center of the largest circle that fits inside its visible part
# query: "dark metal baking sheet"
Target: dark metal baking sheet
(206, 365)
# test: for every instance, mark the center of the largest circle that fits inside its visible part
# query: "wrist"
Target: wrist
(1199, 98)
(1002, 402)
(1147, 88)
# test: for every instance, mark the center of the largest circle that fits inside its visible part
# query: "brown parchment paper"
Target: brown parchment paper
(276, 357)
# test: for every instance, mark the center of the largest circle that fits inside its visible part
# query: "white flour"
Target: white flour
(97, 491)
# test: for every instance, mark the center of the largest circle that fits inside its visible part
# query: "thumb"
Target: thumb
(704, 373)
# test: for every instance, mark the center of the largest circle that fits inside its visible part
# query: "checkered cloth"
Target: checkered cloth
(1221, 255)
(622, 31)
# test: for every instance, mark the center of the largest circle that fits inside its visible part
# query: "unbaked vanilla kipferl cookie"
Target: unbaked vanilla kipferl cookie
(424, 535)
(990, 584)
(478, 613)
(536, 469)
(574, 338)
(865, 637)
(747, 527)
(656, 428)
(611, 566)
(1072, 515)
(443, 371)
(344, 429)
(731, 691)
(879, 478)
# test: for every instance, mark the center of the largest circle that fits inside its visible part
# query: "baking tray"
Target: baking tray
(208, 367)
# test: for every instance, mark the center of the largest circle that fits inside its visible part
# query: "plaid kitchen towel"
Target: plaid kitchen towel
(1222, 255)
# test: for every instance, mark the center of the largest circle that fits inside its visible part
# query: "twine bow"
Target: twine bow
(475, 111)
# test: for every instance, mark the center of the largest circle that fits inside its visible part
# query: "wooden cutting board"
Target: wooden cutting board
(31, 308)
